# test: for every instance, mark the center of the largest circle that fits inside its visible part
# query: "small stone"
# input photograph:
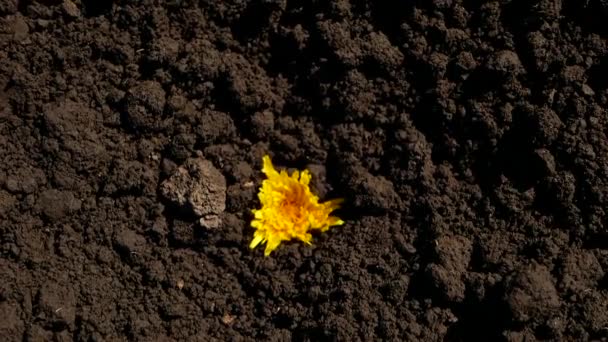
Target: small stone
(210, 221)
(43, 23)
(198, 187)
(587, 90)
(70, 9)
(228, 319)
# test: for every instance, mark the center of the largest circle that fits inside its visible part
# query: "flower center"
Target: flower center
(292, 207)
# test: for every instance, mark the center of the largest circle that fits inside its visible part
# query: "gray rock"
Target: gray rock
(70, 9)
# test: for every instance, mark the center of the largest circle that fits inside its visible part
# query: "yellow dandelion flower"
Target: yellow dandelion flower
(289, 209)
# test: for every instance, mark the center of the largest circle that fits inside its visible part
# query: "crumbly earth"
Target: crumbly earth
(198, 188)
(469, 139)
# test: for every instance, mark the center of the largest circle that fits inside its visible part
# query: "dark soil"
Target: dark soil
(469, 139)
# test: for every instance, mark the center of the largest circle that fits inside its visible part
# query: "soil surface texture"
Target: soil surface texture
(468, 138)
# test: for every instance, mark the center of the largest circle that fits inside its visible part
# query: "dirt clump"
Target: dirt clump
(198, 186)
